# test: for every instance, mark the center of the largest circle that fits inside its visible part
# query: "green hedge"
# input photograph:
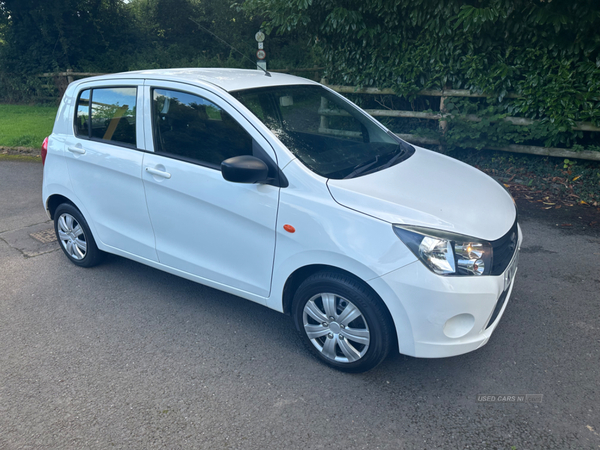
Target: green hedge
(547, 52)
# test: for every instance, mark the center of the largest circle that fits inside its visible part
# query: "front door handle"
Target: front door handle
(75, 149)
(158, 173)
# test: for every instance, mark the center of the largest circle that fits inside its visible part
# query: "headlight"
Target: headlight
(447, 253)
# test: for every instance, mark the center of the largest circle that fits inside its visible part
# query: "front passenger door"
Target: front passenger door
(204, 225)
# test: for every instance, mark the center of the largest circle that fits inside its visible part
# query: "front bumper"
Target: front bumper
(438, 316)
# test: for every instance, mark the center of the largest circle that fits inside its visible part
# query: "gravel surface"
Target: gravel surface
(125, 356)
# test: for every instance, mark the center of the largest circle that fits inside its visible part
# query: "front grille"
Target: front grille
(504, 249)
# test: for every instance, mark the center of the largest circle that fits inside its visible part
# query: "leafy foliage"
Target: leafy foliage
(545, 51)
(44, 36)
(118, 35)
(494, 131)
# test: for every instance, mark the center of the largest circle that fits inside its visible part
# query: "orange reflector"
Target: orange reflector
(289, 228)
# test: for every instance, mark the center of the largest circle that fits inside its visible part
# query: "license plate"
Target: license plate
(510, 272)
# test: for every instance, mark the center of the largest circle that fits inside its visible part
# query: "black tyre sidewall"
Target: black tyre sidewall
(92, 255)
(372, 308)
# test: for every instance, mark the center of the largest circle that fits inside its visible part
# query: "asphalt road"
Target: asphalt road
(125, 356)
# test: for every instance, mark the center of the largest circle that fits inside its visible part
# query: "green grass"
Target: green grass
(25, 125)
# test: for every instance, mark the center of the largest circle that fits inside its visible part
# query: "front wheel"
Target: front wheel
(75, 237)
(342, 322)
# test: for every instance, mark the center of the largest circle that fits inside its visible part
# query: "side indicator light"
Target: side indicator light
(289, 228)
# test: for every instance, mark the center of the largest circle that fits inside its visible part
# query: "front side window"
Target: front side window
(107, 114)
(193, 128)
(331, 137)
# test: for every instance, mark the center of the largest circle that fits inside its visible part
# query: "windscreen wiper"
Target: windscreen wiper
(394, 159)
(362, 167)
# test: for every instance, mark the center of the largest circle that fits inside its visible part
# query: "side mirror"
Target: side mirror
(244, 169)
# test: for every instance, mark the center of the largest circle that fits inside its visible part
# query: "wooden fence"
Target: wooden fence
(440, 116)
(69, 76)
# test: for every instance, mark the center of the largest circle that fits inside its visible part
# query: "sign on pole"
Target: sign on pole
(260, 54)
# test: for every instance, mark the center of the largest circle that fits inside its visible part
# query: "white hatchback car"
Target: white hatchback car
(277, 189)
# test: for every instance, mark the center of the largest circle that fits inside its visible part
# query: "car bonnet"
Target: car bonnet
(434, 191)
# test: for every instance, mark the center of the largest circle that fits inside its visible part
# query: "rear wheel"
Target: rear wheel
(342, 322)
(75, 237)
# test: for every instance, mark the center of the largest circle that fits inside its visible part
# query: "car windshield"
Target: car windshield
(330, 136)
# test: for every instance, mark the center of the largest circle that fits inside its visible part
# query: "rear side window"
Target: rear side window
(83, 114)
(107, 114)
(193, 128)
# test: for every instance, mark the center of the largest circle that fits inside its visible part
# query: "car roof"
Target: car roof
(227, 79)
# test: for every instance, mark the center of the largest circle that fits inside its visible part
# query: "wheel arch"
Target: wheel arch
(54, 201)
(302, 273)
(63, 196)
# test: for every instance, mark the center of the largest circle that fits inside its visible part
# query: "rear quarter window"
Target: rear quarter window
(107, 114)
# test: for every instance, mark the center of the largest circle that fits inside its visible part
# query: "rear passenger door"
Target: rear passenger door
(220, 231)
(105, 162)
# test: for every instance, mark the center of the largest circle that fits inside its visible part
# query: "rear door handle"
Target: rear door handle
(79, 150)
(158, 173)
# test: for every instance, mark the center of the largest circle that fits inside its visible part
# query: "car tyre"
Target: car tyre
(342, 322)
(75, 237)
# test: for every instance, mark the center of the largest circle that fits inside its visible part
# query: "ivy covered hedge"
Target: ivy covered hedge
(547, 52)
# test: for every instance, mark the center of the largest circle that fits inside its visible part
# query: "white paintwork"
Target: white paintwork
(209, 227)
(100, 174)
(231, 225)
(187, 220)
(226, 79)
(434, 191)
(330, 234)
(428, 301)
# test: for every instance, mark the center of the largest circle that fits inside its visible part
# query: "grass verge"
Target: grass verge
(25, 125)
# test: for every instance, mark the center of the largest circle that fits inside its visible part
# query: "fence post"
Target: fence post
(69, 76)
(324, 125)
(443, 124)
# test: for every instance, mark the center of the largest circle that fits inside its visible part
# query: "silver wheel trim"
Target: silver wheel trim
(327, 320)
(71, 236)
